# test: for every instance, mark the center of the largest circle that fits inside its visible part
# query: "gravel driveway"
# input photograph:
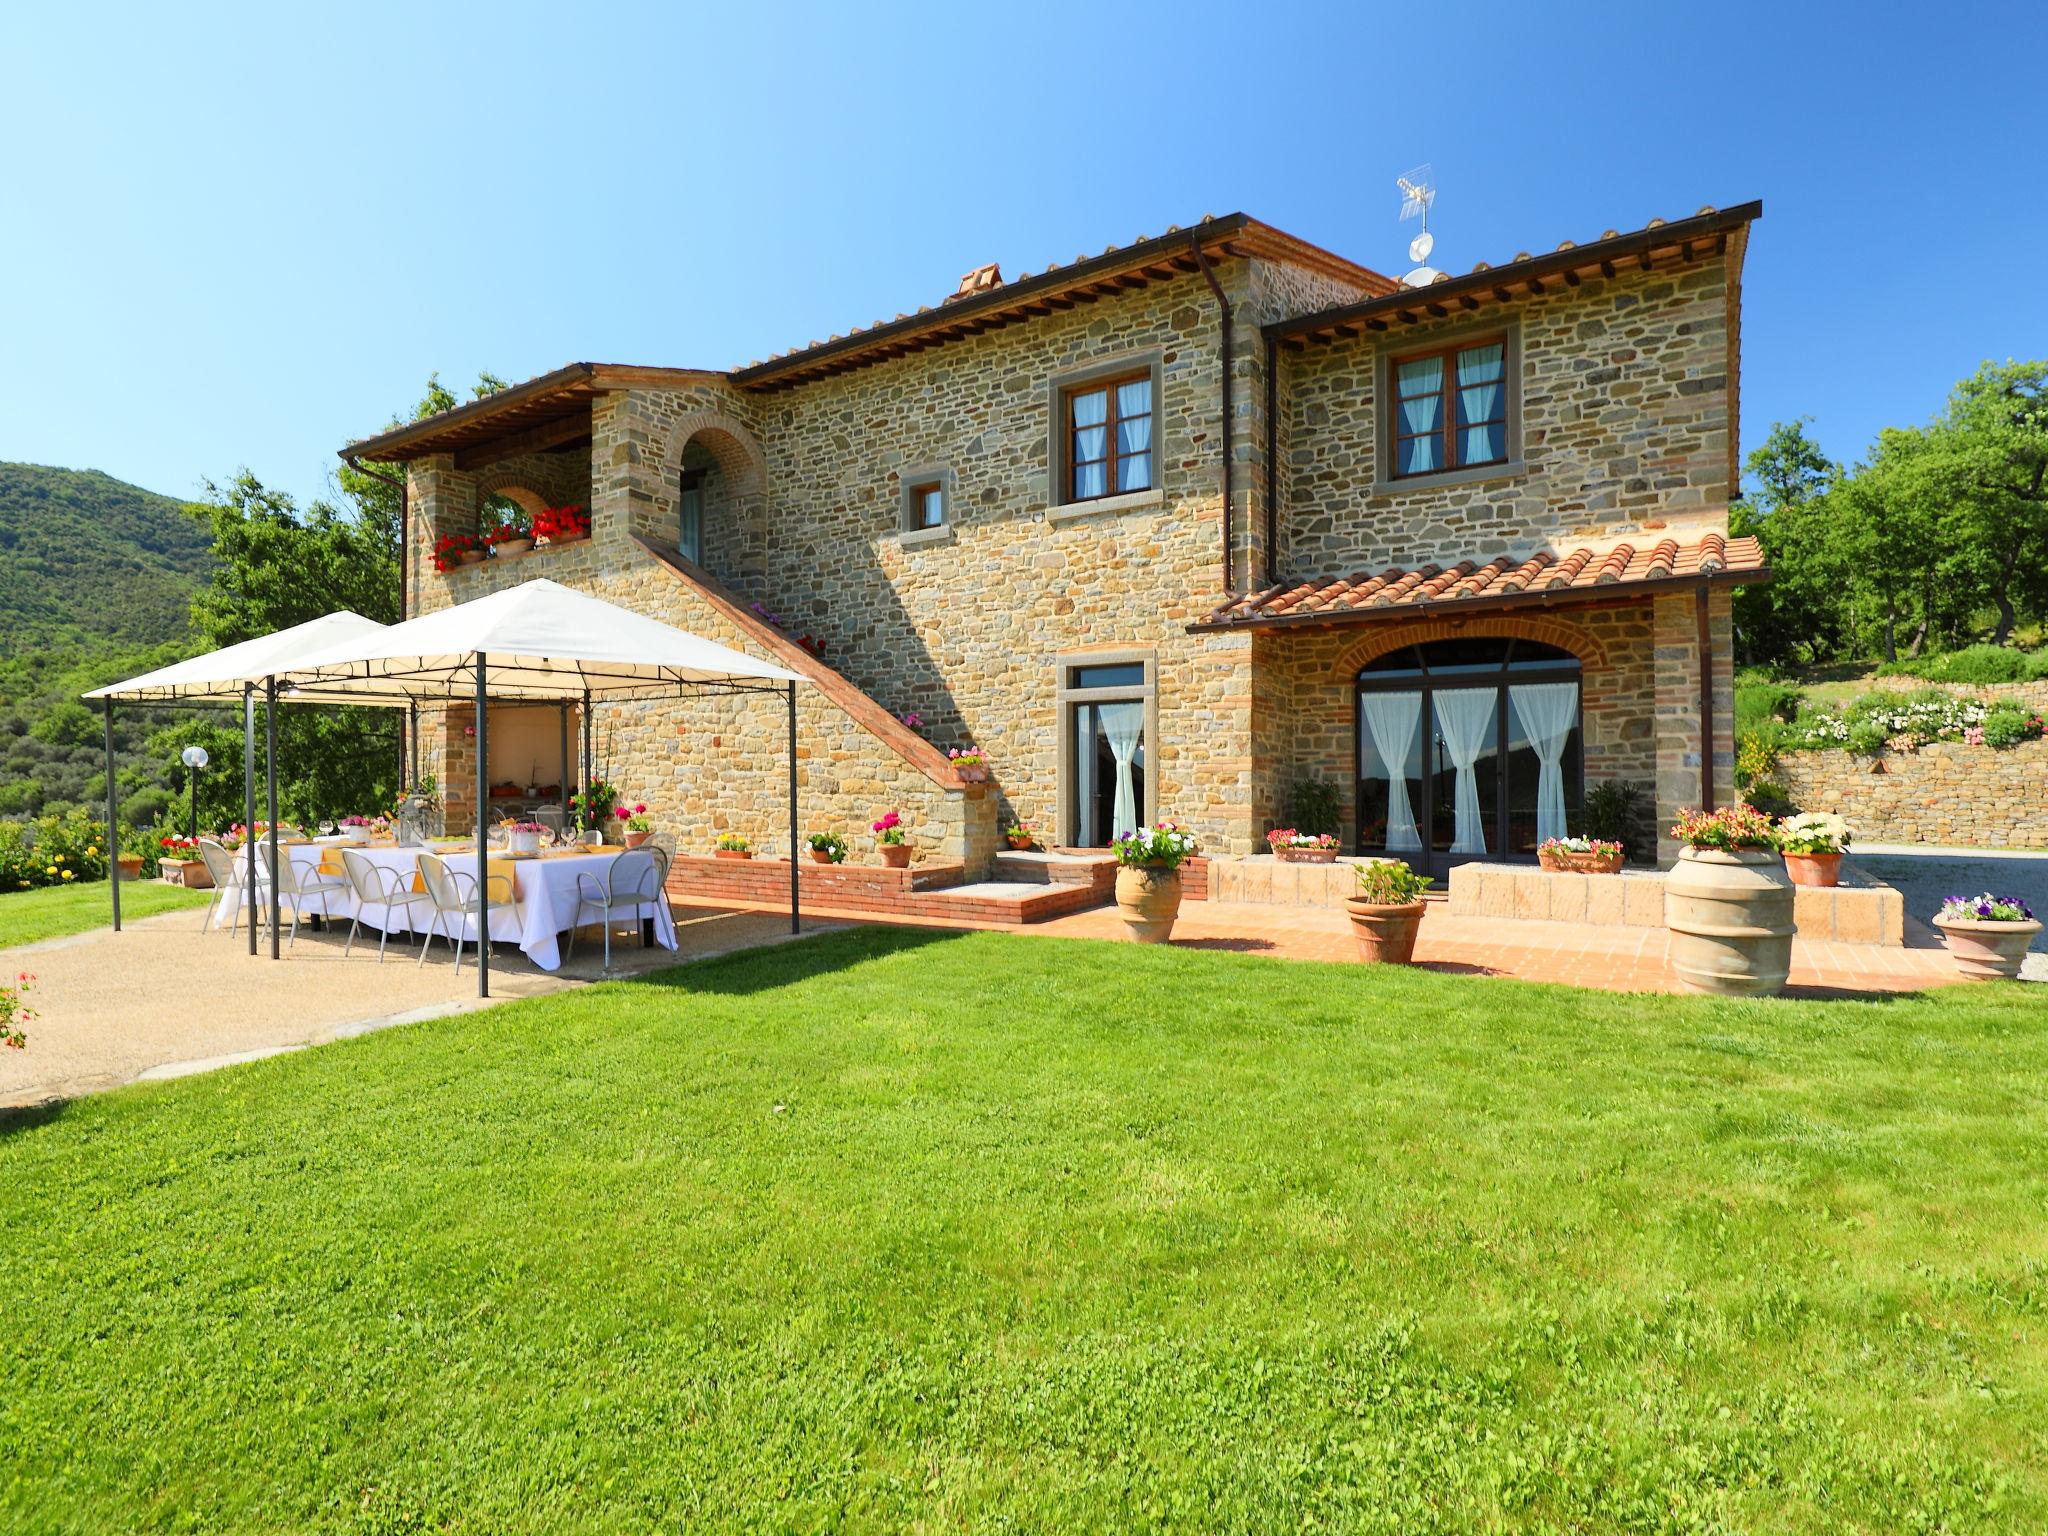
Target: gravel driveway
(1928, 876)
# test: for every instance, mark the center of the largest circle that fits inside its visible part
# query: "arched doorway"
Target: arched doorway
(1468, 749)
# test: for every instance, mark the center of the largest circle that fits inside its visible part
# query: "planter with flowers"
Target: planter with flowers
(1018, 835)
(733, 845)
(1813, 846)
(453, 549)
(513, 536)
(560, 525)
(14, 1012)
(1728, 904)
(638, 824)
(1292, 847)
(356, 829)
(1387, 911)
(1987, 934)
(180, 864)
(890, 838)
(1148, 879)
(1580, 855)
(524, 837)
(827, 848)
(593, 807)
(969, 763)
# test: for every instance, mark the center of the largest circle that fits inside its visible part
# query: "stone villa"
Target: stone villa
(1162, 532)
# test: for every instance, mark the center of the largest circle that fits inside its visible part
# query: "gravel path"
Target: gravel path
(162, 998)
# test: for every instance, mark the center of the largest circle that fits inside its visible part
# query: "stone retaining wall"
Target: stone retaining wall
(1858, 911)
(1946, 793)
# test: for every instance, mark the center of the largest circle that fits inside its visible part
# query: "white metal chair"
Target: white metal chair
(631, 883)
(661, 863)
(550, 816)
(296, 888)
(450, 892)
(376, 886)
(230, 875)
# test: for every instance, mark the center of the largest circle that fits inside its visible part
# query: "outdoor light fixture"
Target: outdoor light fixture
(194, 758)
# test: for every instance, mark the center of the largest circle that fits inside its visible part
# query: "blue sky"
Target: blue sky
(243, 236)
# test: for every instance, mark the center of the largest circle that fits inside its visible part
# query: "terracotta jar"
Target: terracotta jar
(1986, 950)
(896, 855)
(732, 853)
(1730, 916)
(635, 839)
(1148, 900)
(1821, 869)
(1385, 932)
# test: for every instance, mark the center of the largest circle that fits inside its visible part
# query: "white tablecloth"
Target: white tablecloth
(544, 889)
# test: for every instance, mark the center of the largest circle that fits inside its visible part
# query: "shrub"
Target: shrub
(1731, 827)
(831, 844)
(1866, 738)
(1762, 701)
(2007, 725)
(1756, 757)
(1313, 805)
(735, 842)
(1390, 883)
(52, 850)
(1163, 844)
(1973, 664)
(1618, 811)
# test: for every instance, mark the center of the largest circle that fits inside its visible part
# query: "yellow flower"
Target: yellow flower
(51, 870)
(67, 874)
(94, 849)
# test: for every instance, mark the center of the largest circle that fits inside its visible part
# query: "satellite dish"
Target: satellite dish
(1418, 193)
(1420, 247)
(1422, 277)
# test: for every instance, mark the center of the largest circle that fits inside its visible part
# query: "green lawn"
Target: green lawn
(51, 913)
(894, 1231)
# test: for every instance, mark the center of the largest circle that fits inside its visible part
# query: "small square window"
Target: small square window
(925, 501)
(927, 505)
(1451, 408)
(1124, 674)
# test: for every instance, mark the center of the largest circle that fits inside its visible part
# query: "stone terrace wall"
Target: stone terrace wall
(1945, 793)
(1625, 418)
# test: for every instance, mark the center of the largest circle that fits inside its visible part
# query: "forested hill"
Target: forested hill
(90, 563)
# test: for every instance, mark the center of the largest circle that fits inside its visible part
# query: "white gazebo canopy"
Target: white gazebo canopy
(224, 673)
(538, 640)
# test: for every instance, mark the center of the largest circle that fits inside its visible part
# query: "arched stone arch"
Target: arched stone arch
(1379, 639)
(514, 490)
(739, 456)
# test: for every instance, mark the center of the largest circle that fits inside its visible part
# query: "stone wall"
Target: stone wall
(1625, 394)
(1946, 793)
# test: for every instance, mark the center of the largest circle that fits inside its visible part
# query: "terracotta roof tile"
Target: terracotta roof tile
(1583, 573)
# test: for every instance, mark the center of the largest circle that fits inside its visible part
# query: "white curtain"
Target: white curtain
(1465, 716)
(1419, 411)
(1481, 371)
(1092, 457)
(1394, 720)
(1124, 726)
(1134, 435)
(1547, 711)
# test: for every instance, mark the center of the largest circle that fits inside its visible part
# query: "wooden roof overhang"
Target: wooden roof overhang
(1711, 232)
(1119, 270)
(544, 414)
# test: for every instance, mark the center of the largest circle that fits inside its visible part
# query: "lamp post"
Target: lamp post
(194, 759)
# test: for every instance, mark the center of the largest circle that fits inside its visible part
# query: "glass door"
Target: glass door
(1109, 771)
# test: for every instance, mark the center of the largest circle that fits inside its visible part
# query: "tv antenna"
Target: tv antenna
(1418, 193)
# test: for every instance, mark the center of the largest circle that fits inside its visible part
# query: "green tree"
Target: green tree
(1993, 442)
(1800, 615)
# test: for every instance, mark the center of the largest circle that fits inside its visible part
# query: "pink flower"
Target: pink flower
(888, 821)
(622, 813)
(639, 810)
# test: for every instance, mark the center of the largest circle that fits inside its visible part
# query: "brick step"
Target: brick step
(1037, 867)
(986, 903)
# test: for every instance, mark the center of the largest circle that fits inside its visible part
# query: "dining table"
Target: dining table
(544, 885)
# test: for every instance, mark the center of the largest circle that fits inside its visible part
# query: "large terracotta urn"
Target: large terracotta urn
(1730, 916)
(1385, 931)
(1148, 900)
(1986, 950)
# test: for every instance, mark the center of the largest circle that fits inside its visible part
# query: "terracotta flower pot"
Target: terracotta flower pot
(732, 853)
(130, 866)
(513, 546)
(1019, 843)
(1306, 855)
(896, 855)
(1593, 863)
(1821, 869)
(1385, 933)
(1550, 859)
(1730, 916)
(972, 773)
(635, 839)
(1148, 900)
(820, 856)
(470, 557)
(190, 873)
(1986, 950)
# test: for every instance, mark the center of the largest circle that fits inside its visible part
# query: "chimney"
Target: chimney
(980, 280)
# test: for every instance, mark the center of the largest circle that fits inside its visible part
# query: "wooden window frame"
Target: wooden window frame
(914, 521)
(1112, 459)
(1447, 428)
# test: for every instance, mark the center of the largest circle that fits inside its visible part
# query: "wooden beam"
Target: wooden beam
(1437, 311)
(549, 434)
(1466, 301)
(1501, 293)
(1607, 269)
(1643, 259)
(1535, 285)
(1375, 325)
(1571, 278)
